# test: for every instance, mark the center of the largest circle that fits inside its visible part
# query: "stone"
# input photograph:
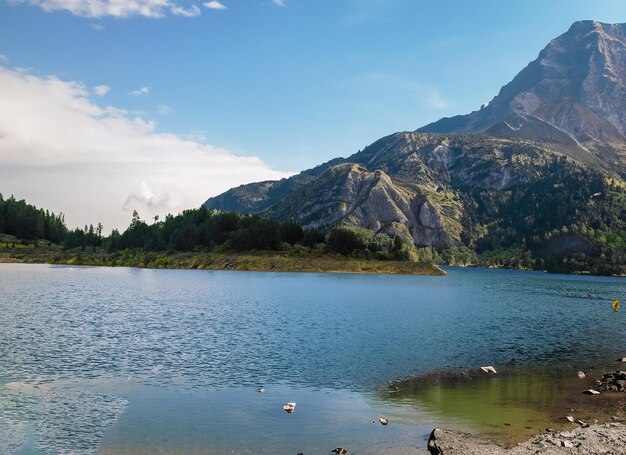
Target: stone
(581, 375)
(289, 407)
(591, 392)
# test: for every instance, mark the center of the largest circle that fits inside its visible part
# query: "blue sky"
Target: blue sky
(292, 82)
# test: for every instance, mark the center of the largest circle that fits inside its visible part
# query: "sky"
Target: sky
(110, 106)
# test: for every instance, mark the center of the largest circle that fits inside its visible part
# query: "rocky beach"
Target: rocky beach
(608, 438)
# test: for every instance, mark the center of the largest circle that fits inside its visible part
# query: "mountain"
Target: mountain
(572, 96)
(539, 169)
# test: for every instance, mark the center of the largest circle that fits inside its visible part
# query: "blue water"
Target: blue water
(117, 360)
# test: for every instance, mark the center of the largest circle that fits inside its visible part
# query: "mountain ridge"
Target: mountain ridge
(461, 181)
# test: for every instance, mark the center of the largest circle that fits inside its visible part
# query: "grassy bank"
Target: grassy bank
(250, 261)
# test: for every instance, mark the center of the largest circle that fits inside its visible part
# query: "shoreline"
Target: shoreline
(575, 273)
(573, 422)
(250, 261)
(608, 438)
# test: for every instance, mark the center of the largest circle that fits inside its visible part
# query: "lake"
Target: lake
(131, 361)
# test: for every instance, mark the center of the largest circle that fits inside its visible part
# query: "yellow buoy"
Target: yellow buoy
(615, 305)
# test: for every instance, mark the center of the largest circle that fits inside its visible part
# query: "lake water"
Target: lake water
(130, 361)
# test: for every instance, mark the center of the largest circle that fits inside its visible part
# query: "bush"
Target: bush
(344, 241)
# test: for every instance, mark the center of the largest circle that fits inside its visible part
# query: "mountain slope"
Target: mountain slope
(415, 185)
(572, 96)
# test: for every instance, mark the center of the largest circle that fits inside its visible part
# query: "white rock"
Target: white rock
(591, 392)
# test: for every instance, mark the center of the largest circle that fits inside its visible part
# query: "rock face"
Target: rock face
(573, 96)
(410, 184)
(352, 195)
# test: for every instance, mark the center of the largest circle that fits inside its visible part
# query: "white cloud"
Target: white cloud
(101, 90)
(145, 197)
(192, 11)
(115, 8)
(214, 4)
(4, 59)
(97, 27)
(278, 2)
(164, 109)
(61, 151)
(140, 91)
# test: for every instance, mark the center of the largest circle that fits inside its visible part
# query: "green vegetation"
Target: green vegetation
(292, 260)
(203, 230)
(25, 221)
(205, 239)
(573, 221)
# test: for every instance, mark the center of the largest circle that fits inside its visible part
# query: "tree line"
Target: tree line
(195, 230)
(26, 221)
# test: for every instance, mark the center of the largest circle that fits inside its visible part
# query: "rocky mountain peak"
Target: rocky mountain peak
(572, 96)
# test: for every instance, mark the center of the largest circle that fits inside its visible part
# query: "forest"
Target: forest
(195, 230)
(522, 228)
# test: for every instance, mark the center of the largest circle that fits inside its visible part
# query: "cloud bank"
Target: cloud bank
(62, 151)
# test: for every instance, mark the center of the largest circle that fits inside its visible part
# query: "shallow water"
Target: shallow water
(116, 360)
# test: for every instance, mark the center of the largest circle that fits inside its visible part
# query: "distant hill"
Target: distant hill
(539, 169)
